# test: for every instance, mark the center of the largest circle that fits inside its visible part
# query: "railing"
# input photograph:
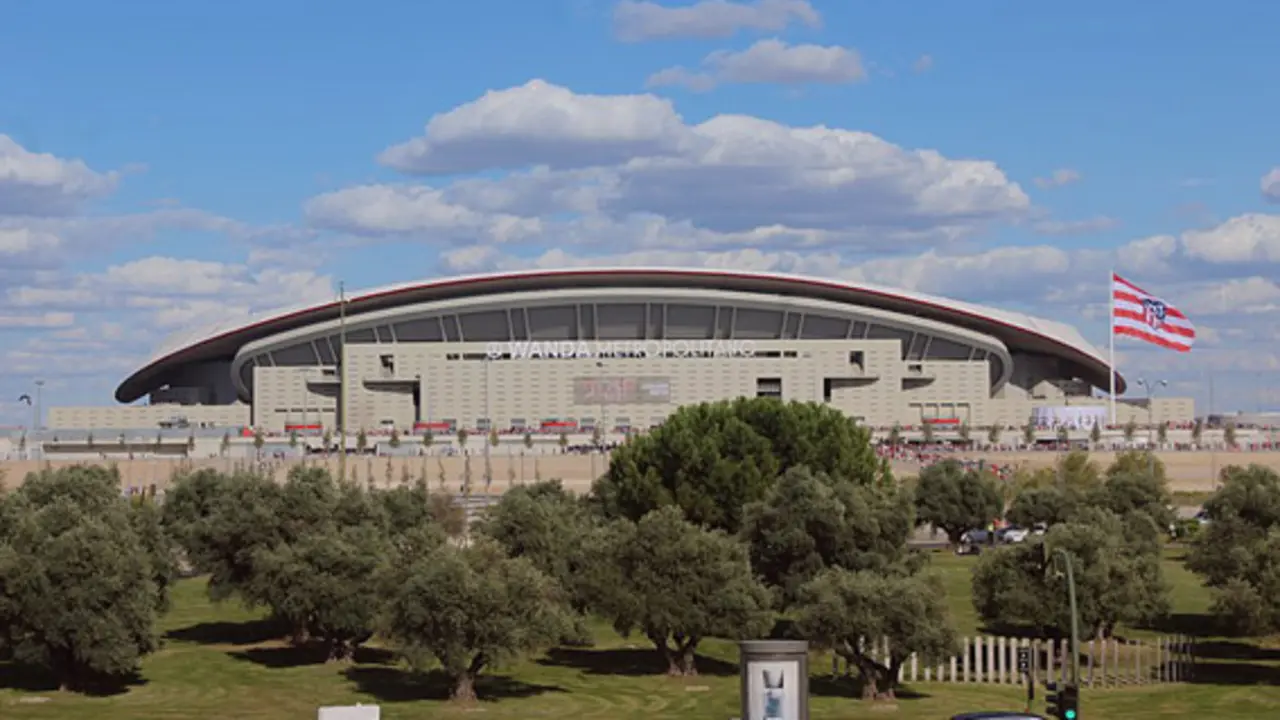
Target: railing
(1103, 663)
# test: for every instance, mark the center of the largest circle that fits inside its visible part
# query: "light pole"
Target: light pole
(604, 397)
(1150, 387)
(342, 383)
(488, 429)
(39, 399)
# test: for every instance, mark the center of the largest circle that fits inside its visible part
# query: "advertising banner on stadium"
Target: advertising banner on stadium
(1072, 417)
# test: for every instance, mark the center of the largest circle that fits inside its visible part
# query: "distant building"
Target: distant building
(617, 348)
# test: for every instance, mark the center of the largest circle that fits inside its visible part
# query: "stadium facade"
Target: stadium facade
(615, 349)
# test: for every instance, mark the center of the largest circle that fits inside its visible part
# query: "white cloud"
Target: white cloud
(1242, 239)
(769, 62)
(541, 124)
(640, 21)
(1058, 178)
(1271, 185)
(39, 320)
(608, 160)
(42, 184)
(923, 64)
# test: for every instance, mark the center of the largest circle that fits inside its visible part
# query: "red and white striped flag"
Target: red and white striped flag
(1137, 313)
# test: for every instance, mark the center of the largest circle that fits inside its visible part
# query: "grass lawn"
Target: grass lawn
(216, 663)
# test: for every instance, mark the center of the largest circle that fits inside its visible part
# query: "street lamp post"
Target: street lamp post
(342, 383)
(1150, 387)
(604, 397)
(39, 420)
(488, 430)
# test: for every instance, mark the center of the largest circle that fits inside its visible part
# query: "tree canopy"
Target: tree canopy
(78, 585)
(809, 522)
(468, 609)
(678, 583)
(1238, 551)
(955, 499)
(711, 459)
(853, 613)
(1117, 572)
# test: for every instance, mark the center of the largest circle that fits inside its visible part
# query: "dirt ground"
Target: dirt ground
(1187, 471)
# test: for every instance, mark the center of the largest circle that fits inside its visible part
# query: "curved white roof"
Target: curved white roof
(223, 339)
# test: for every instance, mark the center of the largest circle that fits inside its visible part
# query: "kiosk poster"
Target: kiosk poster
(774, 690)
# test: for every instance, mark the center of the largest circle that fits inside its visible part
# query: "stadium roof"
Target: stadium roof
(1017, 330)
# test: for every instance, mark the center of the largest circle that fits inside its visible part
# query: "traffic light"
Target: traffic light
(1064, 703)
(1069, 701)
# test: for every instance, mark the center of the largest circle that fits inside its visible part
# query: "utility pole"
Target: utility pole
(342, 383)
(39, 421)
(488, 430)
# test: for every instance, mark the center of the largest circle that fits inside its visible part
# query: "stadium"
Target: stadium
(615, 350)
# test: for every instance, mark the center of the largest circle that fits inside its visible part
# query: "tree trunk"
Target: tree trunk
(464, 688)
(687, 654)
(464, 685)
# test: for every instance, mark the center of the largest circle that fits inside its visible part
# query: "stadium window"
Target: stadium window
(769, 387)
(482, 424)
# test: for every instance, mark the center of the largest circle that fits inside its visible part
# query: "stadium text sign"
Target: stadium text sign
(621, 349)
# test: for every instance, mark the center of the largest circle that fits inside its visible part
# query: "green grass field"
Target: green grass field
(216, 663)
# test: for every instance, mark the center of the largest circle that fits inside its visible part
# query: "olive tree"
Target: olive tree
(955, 499)
(678, 583)
(467, 609)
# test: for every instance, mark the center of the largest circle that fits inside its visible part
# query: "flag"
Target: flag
(24, 399)
(1139, 314)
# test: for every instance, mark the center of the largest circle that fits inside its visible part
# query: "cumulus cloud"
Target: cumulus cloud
(1271, 185)
(541, 124)
(641, 21)
(592, 159)
(42, 184)
(1242, 239)
(769, 62)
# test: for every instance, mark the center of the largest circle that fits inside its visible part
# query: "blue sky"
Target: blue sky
(236, 150)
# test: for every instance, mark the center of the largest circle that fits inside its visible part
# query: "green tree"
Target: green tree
(1049, 505)
(462, 438)
(468, 609)
(927, 433)
(225, 445)
(677, 584)
(955, 499)
(1130, 430)
(1162, 433)
(1064, 435)
(839, 609)
(323, 584)
(159, 444)
(714, 458)
(963, 433)
(394, 440)
(809, 522)
(993, 434)
(564, 440)
(1197, 432)
(259, 439)
(327, 439)
(88, 440)
(362, 441)
(77, 595)
(1229, 434)
(1029, 434)
(494, 440)
(1237, 552)
(293, 439)
(1095, 434)
(555, 532)
(528, 440)
(428, 439)
(597, 436)
(1117, 571)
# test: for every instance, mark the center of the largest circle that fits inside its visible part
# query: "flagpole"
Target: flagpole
(1111, 338)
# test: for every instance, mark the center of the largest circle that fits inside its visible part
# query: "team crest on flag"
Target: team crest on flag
(1154, 312)
(1139, 314)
